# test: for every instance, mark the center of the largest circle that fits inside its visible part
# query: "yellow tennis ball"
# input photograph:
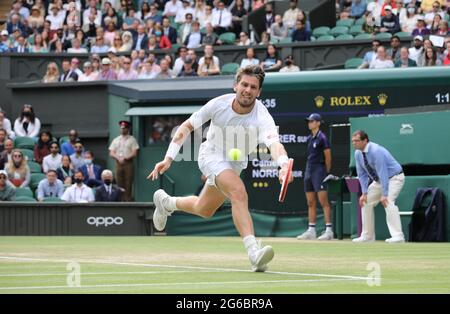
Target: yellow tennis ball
(234, 154)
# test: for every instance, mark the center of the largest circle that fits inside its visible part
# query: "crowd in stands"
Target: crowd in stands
(34, 164)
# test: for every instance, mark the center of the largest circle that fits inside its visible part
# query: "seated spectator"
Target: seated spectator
(149, 68)
(256, 4)
(191, 53)
(358, 8)
(370, 55)
(171, 8)
(36, 20)
(272, 61)
(161, 39)
(3, 138)
(265, 39)
(68, 75)
(404, 61)
(208, 67)
(430, 58)
(434, 26)
(27, 124)
(417, 49)
(56, 18)
(370, 25)
(302, 17)
(65, 171)
(127, 73)
(74, 66)
(89, 75)
(244, 40)
(140, 40)
(16, 24)
(6, 125)
(40, 46)
(207, 17)
(290, 15)
(394, 52)
(99, 46)
(165, 72)
(269, 17)
(208, 51)
(209, 38)
(22, 45)
(127, 42)
(186, 8)
(76, 47)
(250, 58)
(7, 190)
(237, 13)
(431, 14)
(445, 61)
(185, 28)
(278, 30)
(390, 22)
(42, 147)
(194, 39)
(53, 160)
(18, 170)
(169, 31)
(78, 192)
(68, 147)
(443, 29)
(50, 186)
(6, 154)
(4, 41)
(107, 73)
(421, 28)
(154, 15)
(52, 74)
(77, 158)
(289, 65)
(91, 171)
(221, 19)
(300, 33)
(178, 65)
(187, 68)
(410, 22)
(381, 61)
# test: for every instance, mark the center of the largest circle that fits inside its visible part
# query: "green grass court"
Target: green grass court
(218, 265)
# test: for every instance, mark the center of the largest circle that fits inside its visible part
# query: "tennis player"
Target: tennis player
(238, 111)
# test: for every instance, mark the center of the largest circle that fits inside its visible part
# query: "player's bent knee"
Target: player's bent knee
(238, 195)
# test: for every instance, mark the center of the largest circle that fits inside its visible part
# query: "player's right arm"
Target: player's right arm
(174, 147)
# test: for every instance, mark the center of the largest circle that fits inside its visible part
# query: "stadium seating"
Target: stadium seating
(28, 153)
(360, 21)
(35, 179)
(346, 22)
(286, 40)
(24, 142)
(339, 30)
(344, 37)
(24, 192)
(383, 36)
(321, 31)
(353, 63)
(403, 35)
(53, 199)
(355, 30)
(229, 68)
(25, 199)
(325, 38)
(34, 167)
(363, 36)
(228, 38)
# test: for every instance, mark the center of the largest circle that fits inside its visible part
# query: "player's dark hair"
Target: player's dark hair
(251, 70)
(362, 135)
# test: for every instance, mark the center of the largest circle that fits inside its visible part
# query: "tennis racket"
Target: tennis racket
(285, 183)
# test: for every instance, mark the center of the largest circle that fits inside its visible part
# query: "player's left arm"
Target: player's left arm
(279, 154)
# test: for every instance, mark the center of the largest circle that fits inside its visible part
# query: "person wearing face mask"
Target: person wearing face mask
(289, 65)
(27, 124)
(416, 50)
(124, 149)
(91, 172)
(107, 191)
(78, 192)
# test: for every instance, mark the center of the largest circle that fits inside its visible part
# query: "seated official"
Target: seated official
(108, 192)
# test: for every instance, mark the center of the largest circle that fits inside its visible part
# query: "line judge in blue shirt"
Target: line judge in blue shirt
(381, 178)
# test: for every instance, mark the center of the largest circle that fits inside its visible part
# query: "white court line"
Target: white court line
(202, 283)
(107, 273)
(181, 267)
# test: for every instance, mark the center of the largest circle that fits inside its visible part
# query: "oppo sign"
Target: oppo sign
(104, 221)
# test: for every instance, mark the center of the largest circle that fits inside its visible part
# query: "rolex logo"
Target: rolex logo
(319, 101)
(382, 99)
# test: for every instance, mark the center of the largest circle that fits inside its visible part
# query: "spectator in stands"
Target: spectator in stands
(238, 12)
(154, 15)
(149, 68)
(358, 8)
(76, 47)
(99, 46)
(370, 55)
(6, 155)
(443, 29)
(3, 137)
(52, 74)
(180, 17)
(300, 33)
(185, 28)
(78, 192)
(18, 170)
(265, 39)
(165, 71)
(394, 52)
(124, 149)
(77, 158)
(187, 68)
(53, 160)
(89, 74)
(161, 39)
(68, 75)
(65, 171)
(244, 40)
(409, 24)
(140, 40)
(250, 58)
(430, 58)
(127, 42)
(169, 59)
(169, 31)
(290, 15)
(91, 171)
(50, 186)
(27, 124)
(42, 147)
(445, 61)
(269, 17)
(370, 25)
(256, 4)
(5, 124)
(208, 16)
(208, 67)
(434, 26)
(404, 61)
(390, 22)
(36, 19)
(16, 24)
(208, 51)
(221, 19)
(289, 65)
(191, 53)
(68, 147)
(417, 49)
(431, 14)
(381, 61)
(56, 18)
(4, 43)
(209, 38)
(7, 189)
(22, 45)
(107, 73)
(107, 191)
(74, 64)
(421, 28)
(278, 30)
(194, 39)
(171, 8)
(39, 46)
(127, 73)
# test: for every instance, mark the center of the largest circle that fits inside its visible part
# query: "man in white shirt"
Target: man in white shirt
(78, 192)
(181, 13)
(231, 115)
(209, 51)
(76, 47)
(221, 19)
(290, 15)
(52, 161)
(171, 8)
(55, 18)
(194, 39)
(381, 62)
(417, 49)
(88, 74)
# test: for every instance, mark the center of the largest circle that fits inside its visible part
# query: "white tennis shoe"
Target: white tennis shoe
(307, 235)
(326, 236)
(160, 199)
(261, 257)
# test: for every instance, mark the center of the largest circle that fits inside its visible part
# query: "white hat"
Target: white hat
(388, 7)
(4, 173)
(5, 32)
(106, 61)
(371, 6)
(420, 18)
(418, 37)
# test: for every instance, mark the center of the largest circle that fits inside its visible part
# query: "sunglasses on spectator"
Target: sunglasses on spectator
(20, 156)
(2, 177)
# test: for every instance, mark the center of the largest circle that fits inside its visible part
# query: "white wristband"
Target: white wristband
(173, 150)
(282, 160)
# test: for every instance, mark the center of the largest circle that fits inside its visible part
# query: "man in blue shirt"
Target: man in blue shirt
(318, 165)
(381, 178)
(50, 187)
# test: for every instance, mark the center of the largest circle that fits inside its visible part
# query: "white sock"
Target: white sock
(250, 243)
(312, 228)
(329, 228)
(172, 204)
